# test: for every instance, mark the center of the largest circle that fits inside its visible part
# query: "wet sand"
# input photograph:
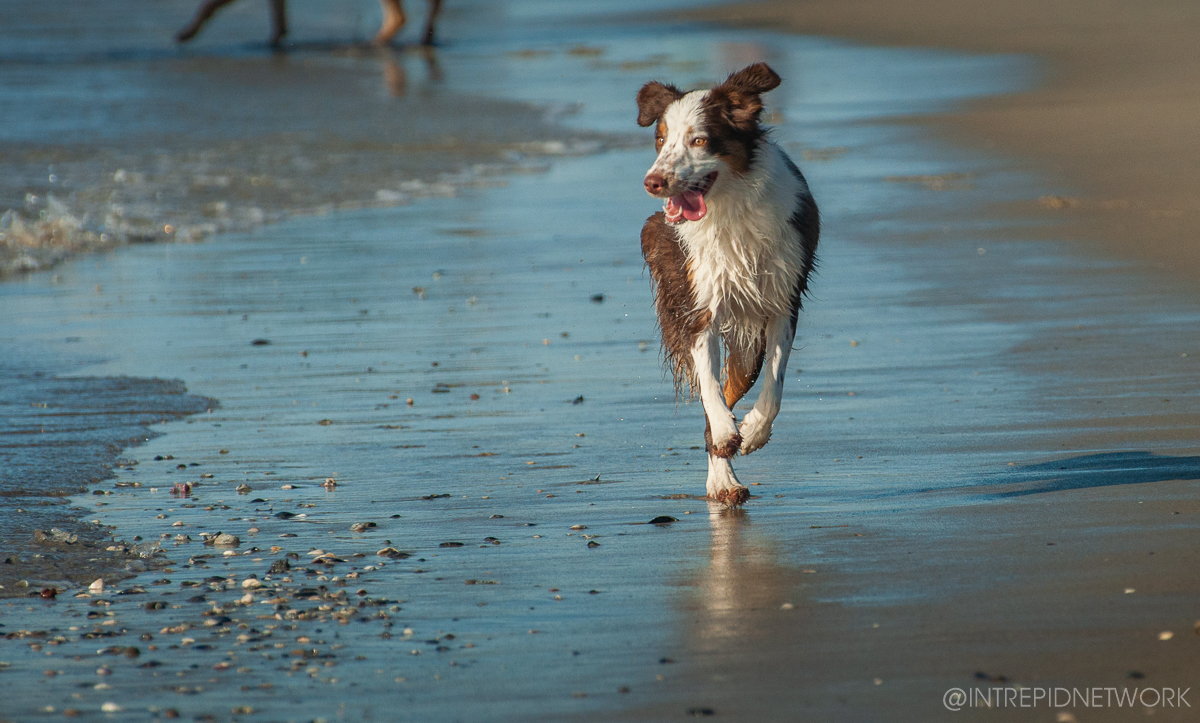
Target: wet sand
(1113, 121)
(945, 421)
(1075, 572)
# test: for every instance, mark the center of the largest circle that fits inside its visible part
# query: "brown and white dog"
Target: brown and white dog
(729, 256)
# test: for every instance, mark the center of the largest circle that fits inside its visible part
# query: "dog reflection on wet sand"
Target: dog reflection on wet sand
(393, 20)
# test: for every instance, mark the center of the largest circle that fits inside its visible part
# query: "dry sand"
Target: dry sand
(1115, 118)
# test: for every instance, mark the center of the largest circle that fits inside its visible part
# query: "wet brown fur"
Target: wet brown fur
(742, 367)
(726, 450)
(674, 299)
(806, 219)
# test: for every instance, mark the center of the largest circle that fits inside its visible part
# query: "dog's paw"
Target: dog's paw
(723, 485)
(755, 431)
(732, 497)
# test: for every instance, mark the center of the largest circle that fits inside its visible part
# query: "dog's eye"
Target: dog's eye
(659, 141)
(699, 142)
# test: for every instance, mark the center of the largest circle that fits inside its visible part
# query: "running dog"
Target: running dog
(729, 256)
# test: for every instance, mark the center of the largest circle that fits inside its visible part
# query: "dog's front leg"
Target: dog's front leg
(722, 437)
(756, 426)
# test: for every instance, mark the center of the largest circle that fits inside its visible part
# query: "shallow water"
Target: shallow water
(903, 403)
(60, 434)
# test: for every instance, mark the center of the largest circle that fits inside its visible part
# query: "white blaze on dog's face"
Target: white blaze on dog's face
(702, 135)
(685, 161)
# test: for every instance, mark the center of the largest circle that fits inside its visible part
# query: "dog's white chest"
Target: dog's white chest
(744, 256)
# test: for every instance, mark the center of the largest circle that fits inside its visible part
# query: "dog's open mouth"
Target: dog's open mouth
(690, 204)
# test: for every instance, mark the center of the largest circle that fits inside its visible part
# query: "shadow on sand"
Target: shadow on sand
(1093, 470)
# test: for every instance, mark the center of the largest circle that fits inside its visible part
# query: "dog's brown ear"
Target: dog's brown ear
(753, 80)
(653, 99)
(738, 97)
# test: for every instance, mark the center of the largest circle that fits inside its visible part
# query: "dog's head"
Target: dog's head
(701, 135)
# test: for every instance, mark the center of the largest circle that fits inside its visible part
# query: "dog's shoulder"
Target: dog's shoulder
(660, 242)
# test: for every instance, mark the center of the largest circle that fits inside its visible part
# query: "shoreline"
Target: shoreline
(63, 436)
(184, 143)
(1113, 122)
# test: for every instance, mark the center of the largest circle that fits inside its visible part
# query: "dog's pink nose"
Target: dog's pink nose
(655, 183)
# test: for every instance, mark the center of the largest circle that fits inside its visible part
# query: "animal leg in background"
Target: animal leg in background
(394, 19)
(208, 8)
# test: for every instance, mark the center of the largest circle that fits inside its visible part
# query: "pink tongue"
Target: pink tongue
(691, 204)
